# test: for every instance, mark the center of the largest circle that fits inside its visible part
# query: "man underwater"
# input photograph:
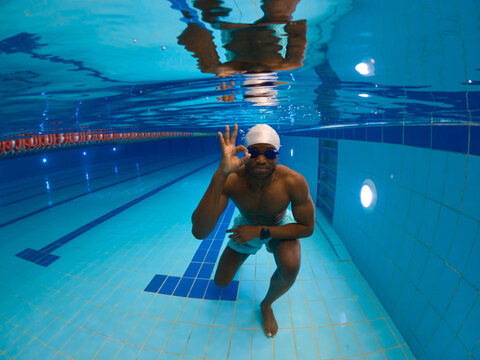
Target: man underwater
(262, 191)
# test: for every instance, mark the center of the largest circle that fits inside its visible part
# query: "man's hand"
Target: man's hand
(230, 162)
(243, 233)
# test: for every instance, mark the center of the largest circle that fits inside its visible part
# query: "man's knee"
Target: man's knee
(289, 259)
(221, 281)
(222, 277)
(289, 269)
(229, 263)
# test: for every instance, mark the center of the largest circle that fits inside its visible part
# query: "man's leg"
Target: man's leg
(229, 263)
(288, 257)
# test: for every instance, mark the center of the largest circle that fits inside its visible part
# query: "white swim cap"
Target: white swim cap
(262, 134)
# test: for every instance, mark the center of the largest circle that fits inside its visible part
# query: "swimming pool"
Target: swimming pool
(108, 142)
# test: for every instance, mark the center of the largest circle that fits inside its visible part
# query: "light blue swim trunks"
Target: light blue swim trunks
(252, 246)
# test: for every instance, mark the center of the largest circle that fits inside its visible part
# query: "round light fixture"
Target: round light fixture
(368, 194)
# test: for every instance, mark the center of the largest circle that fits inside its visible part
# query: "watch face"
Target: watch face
(264, 234)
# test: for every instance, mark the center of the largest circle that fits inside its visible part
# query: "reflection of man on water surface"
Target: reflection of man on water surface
(273, 43)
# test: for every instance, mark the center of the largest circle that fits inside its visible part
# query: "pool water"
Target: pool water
(109, 112)
(113, 272)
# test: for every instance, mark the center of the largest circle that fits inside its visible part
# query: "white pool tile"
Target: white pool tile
(282, 315)
(346, 341)
(318, 313)
(173, 308)
(177, 340)
(147, 354)
(300, 315)
(109, 350)
(207, 312)
(262, 346)
(284, 345)
(198, 341)
(305, 344)
(128, 352)
(225, 314)
(327, 343)
(159, 335)
(219, 343)
(244, 315)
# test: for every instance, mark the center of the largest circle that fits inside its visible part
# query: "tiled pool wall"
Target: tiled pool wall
(461, 138)
(419, 248)
(301, 154)
(24, 167)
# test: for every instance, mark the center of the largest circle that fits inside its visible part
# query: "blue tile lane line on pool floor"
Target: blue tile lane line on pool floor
(44, 257)
(195, 282)
(84, 194)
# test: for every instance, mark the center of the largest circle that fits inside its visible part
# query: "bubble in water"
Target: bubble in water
(242, 135)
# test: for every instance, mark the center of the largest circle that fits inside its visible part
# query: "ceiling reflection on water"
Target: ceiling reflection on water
(183, 64)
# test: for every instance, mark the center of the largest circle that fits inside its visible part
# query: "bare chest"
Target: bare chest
(265, 206)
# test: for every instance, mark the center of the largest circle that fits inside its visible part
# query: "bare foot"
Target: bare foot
(269, 323)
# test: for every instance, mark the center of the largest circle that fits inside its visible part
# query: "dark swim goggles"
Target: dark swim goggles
(269, 154)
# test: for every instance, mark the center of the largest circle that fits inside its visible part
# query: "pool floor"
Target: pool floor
(100, 263)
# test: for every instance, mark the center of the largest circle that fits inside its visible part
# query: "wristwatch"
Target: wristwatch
(264, 233)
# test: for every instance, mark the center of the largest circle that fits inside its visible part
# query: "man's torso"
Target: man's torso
(264, 206)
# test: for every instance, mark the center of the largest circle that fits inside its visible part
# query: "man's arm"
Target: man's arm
(303, 211)
(213, 203)
(215, 199)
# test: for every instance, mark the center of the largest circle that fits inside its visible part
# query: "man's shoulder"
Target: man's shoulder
(292, 179)
(289, 174)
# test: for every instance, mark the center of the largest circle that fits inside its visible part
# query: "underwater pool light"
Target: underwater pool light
(368, 194)
(44, 160)
(84, 153)
(362, 68)
(366, 67)
(114, 149)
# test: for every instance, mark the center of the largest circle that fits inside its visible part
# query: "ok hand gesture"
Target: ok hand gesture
(230, 162)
